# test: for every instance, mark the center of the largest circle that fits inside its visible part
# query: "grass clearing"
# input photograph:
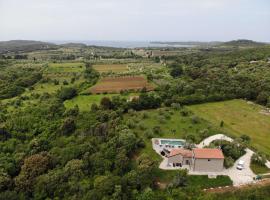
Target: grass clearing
(201, 181)
(111, 68)
(204, 182)
(65, 67)
(85, 101)
(240, 117)
(258, 169)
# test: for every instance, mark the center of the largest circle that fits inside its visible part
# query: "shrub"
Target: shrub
(142, 126)
(130, 123)
(176, 106)
(167, 116)
(161, 119)
(190, 138)
(157, 130)
(221, 123)
(94, 107)
(230, 149)
(245, 138)
(258, 159)
(68, 126)
(65, 82)
(195, 119)
(67, 93)
(149, 134)
(228, 162)
(106, 103)
(184, 113)
(145, 115)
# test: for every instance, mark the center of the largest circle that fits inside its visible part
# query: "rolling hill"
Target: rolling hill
(17, 46)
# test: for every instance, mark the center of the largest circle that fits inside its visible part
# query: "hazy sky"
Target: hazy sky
(178, 20)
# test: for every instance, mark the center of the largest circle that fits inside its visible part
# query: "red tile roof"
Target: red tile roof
(184, 152)
(208, 153)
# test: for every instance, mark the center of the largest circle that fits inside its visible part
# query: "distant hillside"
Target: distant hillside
(243, 43)
(189, 43)
(74, 45)
(233, 43)
(17, 46)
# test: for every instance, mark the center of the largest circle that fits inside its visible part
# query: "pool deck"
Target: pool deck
(158, 148)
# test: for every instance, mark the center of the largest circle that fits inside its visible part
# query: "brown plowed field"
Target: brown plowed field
(116, 84)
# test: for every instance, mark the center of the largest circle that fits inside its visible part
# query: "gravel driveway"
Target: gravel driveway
(244, 176)
(212, 138)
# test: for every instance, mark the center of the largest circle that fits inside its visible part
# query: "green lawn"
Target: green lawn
(204, 182)
(257, 169)
(240, 117)
(201, 181)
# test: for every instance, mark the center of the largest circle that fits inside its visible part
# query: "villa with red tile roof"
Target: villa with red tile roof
(199, 159)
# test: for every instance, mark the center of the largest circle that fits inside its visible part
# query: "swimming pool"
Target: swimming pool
(172, 142)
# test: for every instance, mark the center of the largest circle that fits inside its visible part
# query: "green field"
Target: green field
(111, 68)
(85, 101)
(240, 117)
(201, 181)
(65, 67)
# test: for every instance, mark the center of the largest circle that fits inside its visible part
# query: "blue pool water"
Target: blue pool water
(172, 142)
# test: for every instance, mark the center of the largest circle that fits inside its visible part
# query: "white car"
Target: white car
(240, 165)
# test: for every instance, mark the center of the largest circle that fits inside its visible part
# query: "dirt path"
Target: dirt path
(261, 183)
(209, 140)
(267, 164)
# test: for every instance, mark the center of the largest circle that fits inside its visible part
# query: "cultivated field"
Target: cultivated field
(111, 68)
(240, 117)
(117, 84)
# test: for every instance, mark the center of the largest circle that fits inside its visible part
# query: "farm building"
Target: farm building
(205, 160)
